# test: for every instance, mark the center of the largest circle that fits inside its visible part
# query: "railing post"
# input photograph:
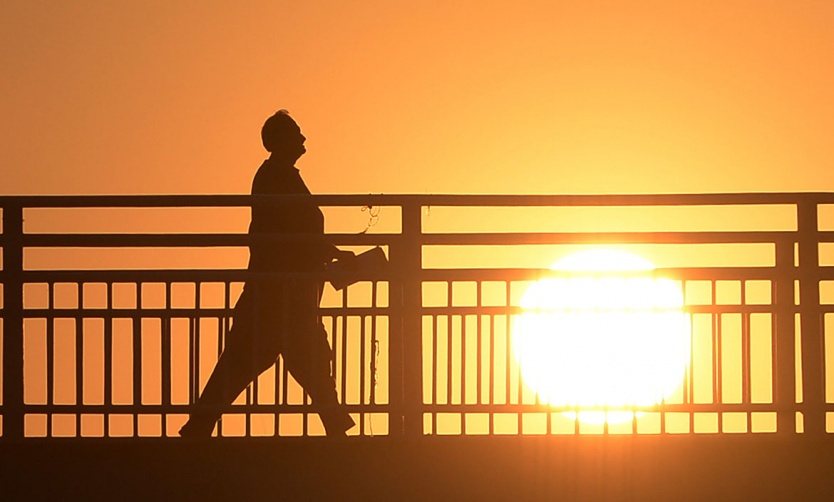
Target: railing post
(813, 372)
(406, 341)
(784, 359)
(13, 321)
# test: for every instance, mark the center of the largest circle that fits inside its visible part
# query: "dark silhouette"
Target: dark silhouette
(278, 315)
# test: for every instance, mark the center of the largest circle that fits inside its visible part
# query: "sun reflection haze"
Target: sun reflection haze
(602, 332)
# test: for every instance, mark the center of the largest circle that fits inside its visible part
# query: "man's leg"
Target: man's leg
(307, 356)
(248, 352)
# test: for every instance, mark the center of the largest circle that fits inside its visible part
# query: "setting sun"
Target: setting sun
(602, 332)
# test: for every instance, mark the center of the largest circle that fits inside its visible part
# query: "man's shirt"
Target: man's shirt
(299, 219)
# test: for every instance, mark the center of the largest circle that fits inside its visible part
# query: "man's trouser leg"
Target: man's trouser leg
(307, 356)
(248, 352)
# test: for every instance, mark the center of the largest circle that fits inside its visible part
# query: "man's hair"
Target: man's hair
(275, 129)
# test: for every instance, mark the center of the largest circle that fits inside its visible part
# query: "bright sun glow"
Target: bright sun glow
(602, 333)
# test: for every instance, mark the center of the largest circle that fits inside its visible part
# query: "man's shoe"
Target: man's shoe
(338, 425)
(196, 429)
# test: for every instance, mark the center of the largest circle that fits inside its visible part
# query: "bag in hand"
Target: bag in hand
(347, 271)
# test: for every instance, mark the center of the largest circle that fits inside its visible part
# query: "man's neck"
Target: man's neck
(281, 163)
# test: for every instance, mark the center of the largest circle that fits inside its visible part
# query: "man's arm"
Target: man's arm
(331, 253)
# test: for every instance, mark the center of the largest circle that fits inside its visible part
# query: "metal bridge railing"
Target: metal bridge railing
(423, 347)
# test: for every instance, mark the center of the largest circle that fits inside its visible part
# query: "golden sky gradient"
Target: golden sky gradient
(155, 96)
(402, 96)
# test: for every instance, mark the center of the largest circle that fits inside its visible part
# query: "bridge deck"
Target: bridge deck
(487, 468)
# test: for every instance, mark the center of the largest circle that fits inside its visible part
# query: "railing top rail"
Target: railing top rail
(238, 239)
(239, 200)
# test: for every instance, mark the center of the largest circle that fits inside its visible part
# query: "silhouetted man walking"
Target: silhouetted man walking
(278, 315)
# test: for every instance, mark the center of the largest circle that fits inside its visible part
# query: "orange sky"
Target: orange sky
(402, 96)
(156, 96)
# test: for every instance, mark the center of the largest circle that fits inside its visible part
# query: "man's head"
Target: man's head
(282, 137)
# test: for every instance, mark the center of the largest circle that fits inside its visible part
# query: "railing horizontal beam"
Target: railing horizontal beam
(546, 408)
(437, 200)
(428, 274)
(429, 239)
(180, 409)
(514, 238)
(178, 312)
(511, 310)
(189, 240)
(174, 275)
(522, 274)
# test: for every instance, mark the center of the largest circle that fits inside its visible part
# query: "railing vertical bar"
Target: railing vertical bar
(718, 376)
(812, 348)
(491, 396)
(783, 290)
(335, 324)
(362, 373)
(686, 385)
(434, 370)
(479, 369)
(13, 405)
(333, 353)
(375, 351)
(137, 359)
(508, 354)
(165, 359)
(108, 359)
(690, 371)
(373, 355)
(79, 358)
(450, 327)
(50, 358)
(251, 390)
(192, 370)
(745, 362)
(193, 359)
(463, 368)
(774, 330)
(221, 343)
(396, 329)
(306, 400)
(224, 326)
(343, 363)
(519, 388)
